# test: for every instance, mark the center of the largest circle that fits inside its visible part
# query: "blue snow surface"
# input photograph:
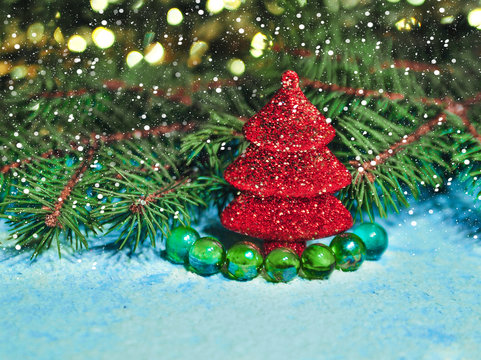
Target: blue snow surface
(422, 300)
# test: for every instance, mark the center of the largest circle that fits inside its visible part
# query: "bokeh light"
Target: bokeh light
(447, 19)
(236, 67)
(58, 36)
(198, 48)
(77, 44)
(19, 72)
(259, 41)
(103, 38)
(232, 4)
(416, 2)
(408, 24)
(99, 5)
(258, 44)
(214, 6)
(133, 58)
(174, 16)
(35, 32)
(474, 18)
(154, 53)
(349, 4)
(274, 8)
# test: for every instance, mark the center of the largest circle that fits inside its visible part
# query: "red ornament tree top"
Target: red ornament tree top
(289, 122)
(287, 175)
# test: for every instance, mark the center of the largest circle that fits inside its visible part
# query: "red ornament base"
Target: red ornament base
(286, 219)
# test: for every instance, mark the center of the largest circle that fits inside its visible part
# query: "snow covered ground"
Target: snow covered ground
(422, 300)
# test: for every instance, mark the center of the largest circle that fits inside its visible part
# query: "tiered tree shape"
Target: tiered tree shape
(287, 175)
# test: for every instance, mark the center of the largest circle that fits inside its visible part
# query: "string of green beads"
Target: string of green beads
(375, 239)
(282, 265)
(178, 244)
(318, 261)
(206, 256)
(349, 250)
(243, 261)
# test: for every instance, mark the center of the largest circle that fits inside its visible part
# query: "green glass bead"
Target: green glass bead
(349, 250)
(282, 265)
(206, 256)
(318, 261)
(243, 261)
(374, 237)
(178, 244)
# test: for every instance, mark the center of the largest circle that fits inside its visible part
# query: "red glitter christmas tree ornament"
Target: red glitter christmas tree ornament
(287, 175)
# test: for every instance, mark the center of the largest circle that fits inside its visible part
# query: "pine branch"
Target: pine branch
(365, 168)
(139, 206)
(137, 182)
(48, 154)
(148, 201)
(56, 215)
(52, 219)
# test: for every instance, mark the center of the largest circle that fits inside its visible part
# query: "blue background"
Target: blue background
(420, 301)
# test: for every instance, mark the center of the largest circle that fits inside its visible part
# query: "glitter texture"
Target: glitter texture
(302, 174)
(289, 122)
(287, 219)
(287, 174)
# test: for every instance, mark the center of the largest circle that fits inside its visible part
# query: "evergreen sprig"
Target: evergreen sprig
(78, 156)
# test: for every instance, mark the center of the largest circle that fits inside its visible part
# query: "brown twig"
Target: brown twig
(106, 139)
(51, 219)
(374, 93)
(178, 95)
(46, 155)
(461, 111)
(138, 207)
(476, 99)
(141, 134)
(366, 167)
(411, 65)
(396, 64)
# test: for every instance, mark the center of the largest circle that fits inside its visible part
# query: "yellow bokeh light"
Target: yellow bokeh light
(258, 44)
(4, 68)
(154, 53)
(58, 36)
(259, 41)
(416, 2)
(198, 48)
(232, 4)
(256, 53)
(77, 44)
(407, 24)
(103, 38)
(35, 32)
(474, 18)
(447, 19)
(214, 6)
(236, 67)
(19, 72)
(274, 8)
(99, 5)
(138, 4)
(174, 16)
(133, 58)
